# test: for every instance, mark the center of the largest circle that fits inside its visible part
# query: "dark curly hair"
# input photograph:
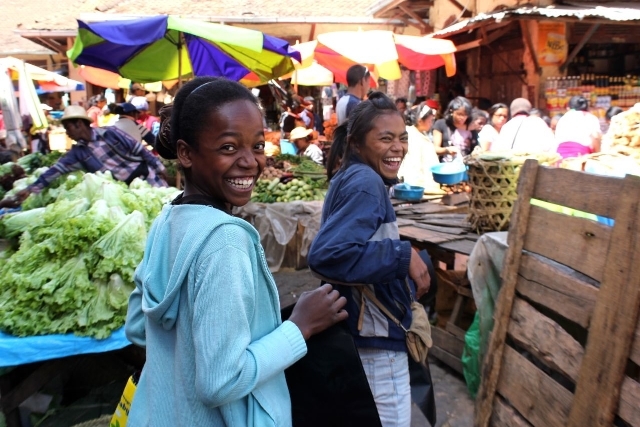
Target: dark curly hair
(193, 104)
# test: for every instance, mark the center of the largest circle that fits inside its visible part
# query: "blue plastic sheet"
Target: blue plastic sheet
(16, 351)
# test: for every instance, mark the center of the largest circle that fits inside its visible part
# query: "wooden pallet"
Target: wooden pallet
(565, 348)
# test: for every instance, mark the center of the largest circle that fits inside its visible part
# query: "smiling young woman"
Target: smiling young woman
(206, 307)
(359, 243)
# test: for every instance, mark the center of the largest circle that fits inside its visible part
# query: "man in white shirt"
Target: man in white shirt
(300, 137)
(524, 133)
(358, 81)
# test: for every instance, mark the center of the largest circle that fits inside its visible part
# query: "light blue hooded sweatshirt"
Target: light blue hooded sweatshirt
(206, 308)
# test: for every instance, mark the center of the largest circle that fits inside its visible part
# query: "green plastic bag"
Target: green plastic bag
(471, 358)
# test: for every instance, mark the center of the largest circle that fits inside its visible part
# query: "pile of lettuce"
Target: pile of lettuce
(70, 267)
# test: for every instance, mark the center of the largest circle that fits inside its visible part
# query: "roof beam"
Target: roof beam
(579, 46)
(387, 8)
(463, 8)
(425, 28)
(529, 41)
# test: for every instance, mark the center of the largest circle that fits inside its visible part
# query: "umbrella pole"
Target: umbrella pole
(180, 44)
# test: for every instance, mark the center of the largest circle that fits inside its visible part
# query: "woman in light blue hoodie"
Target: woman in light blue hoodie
(206, 307)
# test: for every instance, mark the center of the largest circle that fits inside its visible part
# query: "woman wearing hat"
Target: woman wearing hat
(99, 150)
(300, 137)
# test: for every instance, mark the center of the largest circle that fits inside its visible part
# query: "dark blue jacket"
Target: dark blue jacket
(358, 242)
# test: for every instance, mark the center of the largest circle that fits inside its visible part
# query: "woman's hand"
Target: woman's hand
(319, 309)
(419, 273)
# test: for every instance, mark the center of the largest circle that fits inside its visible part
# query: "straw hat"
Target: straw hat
(75, 112)
(299, 133)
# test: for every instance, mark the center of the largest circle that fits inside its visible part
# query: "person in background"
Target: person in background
(451, 136)
(401, 105)
(99, 150)
(608, 135)
(136, 90)
(300, 137)
(152, 123)
(206, 308)
(358, 82)
(53, 100)
(611, 112)
(488, 135)
(554, 122)
(327, 102)
(358, 243)
(421, 153)
(535, 112)
(96, 104)
(317, 120)
(127, 122)
(524, 133)
(479, 119)
(578, 131)
(109, 115)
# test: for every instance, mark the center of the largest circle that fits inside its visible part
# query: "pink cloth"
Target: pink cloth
(573, 149)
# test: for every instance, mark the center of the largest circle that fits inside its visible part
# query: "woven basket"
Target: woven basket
(493, 192)
(103, 421)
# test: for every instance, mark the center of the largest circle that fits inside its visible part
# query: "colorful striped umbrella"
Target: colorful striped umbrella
(165, 47)
(381, 51)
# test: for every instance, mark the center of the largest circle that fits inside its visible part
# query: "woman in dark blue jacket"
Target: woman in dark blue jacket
(359, 243)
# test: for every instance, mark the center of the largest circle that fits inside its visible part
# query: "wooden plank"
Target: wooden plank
(403, 221)
(635, 348)
(494, 354)
(447, 230)
(447, 342)
(533, 52)
(463, 246)
(429, 208)
(595, 192)
(411, 232)
(615, 317)
(454, 223)
(557, 288)
(537, 397)
(579, 47)
(505, 416)
(575, 242)
(629, 409)
(447, 358)
(545, 339)
(455, 330)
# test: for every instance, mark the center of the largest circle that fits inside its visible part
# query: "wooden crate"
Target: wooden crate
(565, 348)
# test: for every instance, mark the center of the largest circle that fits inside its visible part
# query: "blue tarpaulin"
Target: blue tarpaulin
(16, 351)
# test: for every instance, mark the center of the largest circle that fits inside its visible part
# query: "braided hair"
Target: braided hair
(189, 113)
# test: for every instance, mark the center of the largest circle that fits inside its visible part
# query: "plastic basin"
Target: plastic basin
(411, 193)
(449, 173)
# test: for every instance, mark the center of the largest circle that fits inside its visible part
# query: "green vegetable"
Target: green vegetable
(71, 266)
(305, 189)
(291, 158)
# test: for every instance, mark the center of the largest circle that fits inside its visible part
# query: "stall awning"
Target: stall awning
(577, 12)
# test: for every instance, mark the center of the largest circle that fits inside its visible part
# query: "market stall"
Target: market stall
(66, 264)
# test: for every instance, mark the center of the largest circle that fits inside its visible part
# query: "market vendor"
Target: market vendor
(99, 149)
(127, 122)
(578, 131)
(301, 138)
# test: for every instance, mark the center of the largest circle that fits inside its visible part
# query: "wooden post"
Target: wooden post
(495, 350)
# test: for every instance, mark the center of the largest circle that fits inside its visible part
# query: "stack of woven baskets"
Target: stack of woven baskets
(493, 178)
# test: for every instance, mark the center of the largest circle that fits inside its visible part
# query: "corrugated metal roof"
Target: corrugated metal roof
(627, 13)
